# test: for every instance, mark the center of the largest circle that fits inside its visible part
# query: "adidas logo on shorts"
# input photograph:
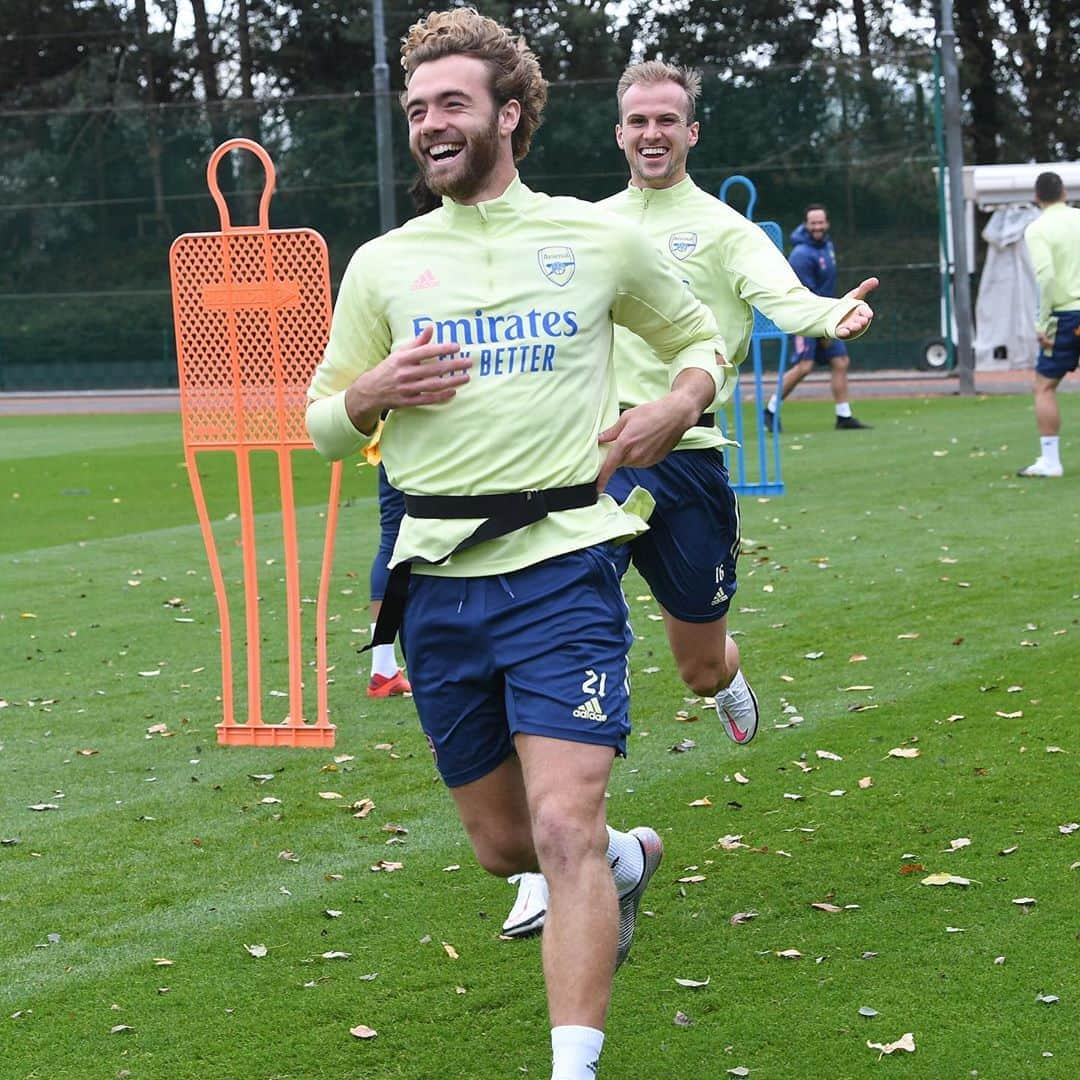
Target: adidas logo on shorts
(719, 598)
(591, 710)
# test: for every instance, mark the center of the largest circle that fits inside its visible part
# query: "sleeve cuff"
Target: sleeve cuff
(331, 430)
(703, 357)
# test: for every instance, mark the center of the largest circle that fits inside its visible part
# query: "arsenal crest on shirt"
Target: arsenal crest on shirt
(557, 264)
(682, 244)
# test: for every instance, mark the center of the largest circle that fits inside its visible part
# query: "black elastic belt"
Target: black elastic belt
(706, 419)
(510, 505)
(502, 514)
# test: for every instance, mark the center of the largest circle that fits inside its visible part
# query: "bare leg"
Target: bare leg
(1047, 414)
(838, 371)
(706, 657)
(795, 375)
(566, 782)
(495, 814)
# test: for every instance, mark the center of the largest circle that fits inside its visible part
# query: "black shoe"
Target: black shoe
(771, 423)
(849, 423)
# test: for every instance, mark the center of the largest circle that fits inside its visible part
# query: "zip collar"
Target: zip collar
(672, 196)
(508, 207)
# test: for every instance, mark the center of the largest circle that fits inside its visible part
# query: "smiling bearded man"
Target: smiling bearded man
(456, 163)
(484, 329)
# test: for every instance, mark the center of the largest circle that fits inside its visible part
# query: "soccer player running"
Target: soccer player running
(485, 328)
(688, 555)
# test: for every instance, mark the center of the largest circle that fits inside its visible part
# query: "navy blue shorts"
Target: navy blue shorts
(820, 350)
(541, 651)
(1065, 355)
(391, 511)
(688, 555)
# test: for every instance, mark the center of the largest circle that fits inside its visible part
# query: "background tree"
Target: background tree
(109, 110)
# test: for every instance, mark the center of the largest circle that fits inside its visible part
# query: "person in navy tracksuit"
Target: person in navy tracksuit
(814, 261)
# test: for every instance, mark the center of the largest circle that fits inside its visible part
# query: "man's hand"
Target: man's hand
(1044, 341)
(411, 375)
(646, 434)
(858, 318)
(643, 436)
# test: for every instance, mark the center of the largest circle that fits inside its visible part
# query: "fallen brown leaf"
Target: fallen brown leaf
(905, 1042)
(741, 917)
(944, 879)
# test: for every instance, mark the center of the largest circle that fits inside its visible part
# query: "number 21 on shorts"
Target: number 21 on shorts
(595, 685)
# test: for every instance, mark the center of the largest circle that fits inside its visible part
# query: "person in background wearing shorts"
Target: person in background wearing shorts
(387, 679)
(1053, 239)
(485, 328)
(814, 261)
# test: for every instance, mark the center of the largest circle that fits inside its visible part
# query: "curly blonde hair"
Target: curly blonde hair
(515, 71)
(656, 71)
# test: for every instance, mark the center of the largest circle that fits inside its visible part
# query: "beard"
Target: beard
(470, 168)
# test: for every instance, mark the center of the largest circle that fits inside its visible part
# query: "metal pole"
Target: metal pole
(944, 271)
(954, 149)
(383, 142)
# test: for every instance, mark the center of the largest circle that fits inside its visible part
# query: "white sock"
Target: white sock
(1050, 451)
(626, 859)
(383, 660)
(575, 1052)
(843, 408)
(772, 404)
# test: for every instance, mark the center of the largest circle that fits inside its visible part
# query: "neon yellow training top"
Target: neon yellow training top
(1053, 239)
(730, 264)
(529, 287)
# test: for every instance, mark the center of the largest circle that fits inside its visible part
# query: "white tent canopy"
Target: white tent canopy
(991, 186)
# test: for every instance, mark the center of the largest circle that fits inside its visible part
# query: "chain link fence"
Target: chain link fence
(91, 199)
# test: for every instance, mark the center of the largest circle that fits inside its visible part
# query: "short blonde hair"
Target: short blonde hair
(515, 71)
(653, 72)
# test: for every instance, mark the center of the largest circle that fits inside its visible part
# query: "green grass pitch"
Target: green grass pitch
(907, 593)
